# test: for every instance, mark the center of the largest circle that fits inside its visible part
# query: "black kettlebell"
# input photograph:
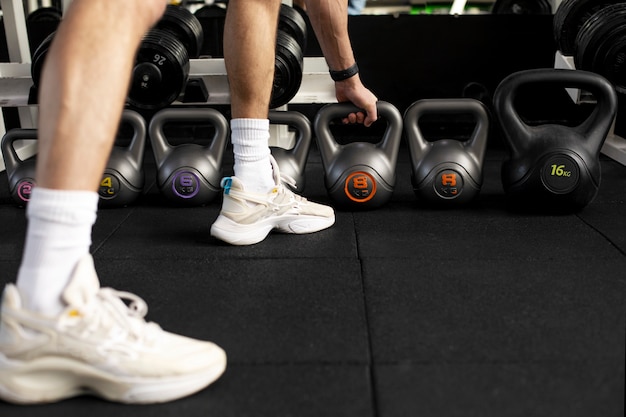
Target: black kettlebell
(21, 173)
(123, 178)
(189, 173)
(447, 171)
(552, 167)
(292, 162)
(359, 175)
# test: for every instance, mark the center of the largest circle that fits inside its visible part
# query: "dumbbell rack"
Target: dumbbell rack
(16, 82)
(614, 146)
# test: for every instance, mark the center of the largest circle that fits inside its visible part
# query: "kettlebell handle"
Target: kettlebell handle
(11, 158)
(162, 147)
(137, 143)
(477, 142)
(597, 124)
(333, 111)
(337, 110)
(303, 128)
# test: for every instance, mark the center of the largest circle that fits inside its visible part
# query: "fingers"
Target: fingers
(352, 118)
(365, 119)
(372, 114)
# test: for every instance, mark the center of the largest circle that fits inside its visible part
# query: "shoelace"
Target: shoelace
(123, 321)
(287, 179)
(226, 183)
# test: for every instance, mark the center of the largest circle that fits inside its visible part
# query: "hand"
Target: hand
(354, 91)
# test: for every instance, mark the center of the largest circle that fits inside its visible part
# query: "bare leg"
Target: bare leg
(57, 321)
(83, 89)
(249, 45)
(255, 202)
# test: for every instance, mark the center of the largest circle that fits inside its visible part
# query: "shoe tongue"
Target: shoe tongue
(84, 284)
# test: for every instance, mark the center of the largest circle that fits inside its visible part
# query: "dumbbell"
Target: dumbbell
(39, 57)
(601, 45)
(553, 167)
(570, 17)
(212, 17)
(593, 33)
(161, 66)
(20, 172)
(123, 178)
(189, 173)
(44, 15)
(289, 61)
(447, 171)
(359, 175)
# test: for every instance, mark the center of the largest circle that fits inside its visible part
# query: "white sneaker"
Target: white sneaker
(98, 345)
(247, 218)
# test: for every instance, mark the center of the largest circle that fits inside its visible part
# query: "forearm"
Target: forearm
(329, 19)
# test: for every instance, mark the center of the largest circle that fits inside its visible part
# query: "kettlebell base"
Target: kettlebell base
(117, 191)
(558, 183)
(187, 187)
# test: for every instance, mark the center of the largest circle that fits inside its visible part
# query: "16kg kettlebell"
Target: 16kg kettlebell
(189, 173)
(447, 171)
(292, 162)
(123, 178)
(359, 175)
(554, 167)
(21, 173)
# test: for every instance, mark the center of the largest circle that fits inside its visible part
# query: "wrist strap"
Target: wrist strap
(344, 74)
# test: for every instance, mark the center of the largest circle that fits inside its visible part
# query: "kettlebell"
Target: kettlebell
(447, 171)
(123, 178)
(21, 173)
(292, 162)
(359, 175)
(189, 173)
(552, 167)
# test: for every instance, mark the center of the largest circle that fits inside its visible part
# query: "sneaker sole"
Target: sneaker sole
(48, 380)
(249, 234)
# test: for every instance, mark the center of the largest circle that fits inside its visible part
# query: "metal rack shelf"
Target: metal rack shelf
(614, 146)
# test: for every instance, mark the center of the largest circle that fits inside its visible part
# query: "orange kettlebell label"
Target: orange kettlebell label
(448, 184)
(448, 180)
(360, 187)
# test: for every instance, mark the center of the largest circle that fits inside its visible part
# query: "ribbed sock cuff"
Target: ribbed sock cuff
(63, 206)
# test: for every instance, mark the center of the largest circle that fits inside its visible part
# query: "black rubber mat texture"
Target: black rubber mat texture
(404, 310)
(495, 311)
(577, 389)
(258, 310)
(307, 390)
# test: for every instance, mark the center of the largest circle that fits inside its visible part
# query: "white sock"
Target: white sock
(58, 235)
(250, 139)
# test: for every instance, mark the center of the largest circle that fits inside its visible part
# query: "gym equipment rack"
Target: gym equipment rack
(16, 82)
(614, 146)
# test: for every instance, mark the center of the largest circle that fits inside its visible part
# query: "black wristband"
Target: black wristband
(344, 74)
